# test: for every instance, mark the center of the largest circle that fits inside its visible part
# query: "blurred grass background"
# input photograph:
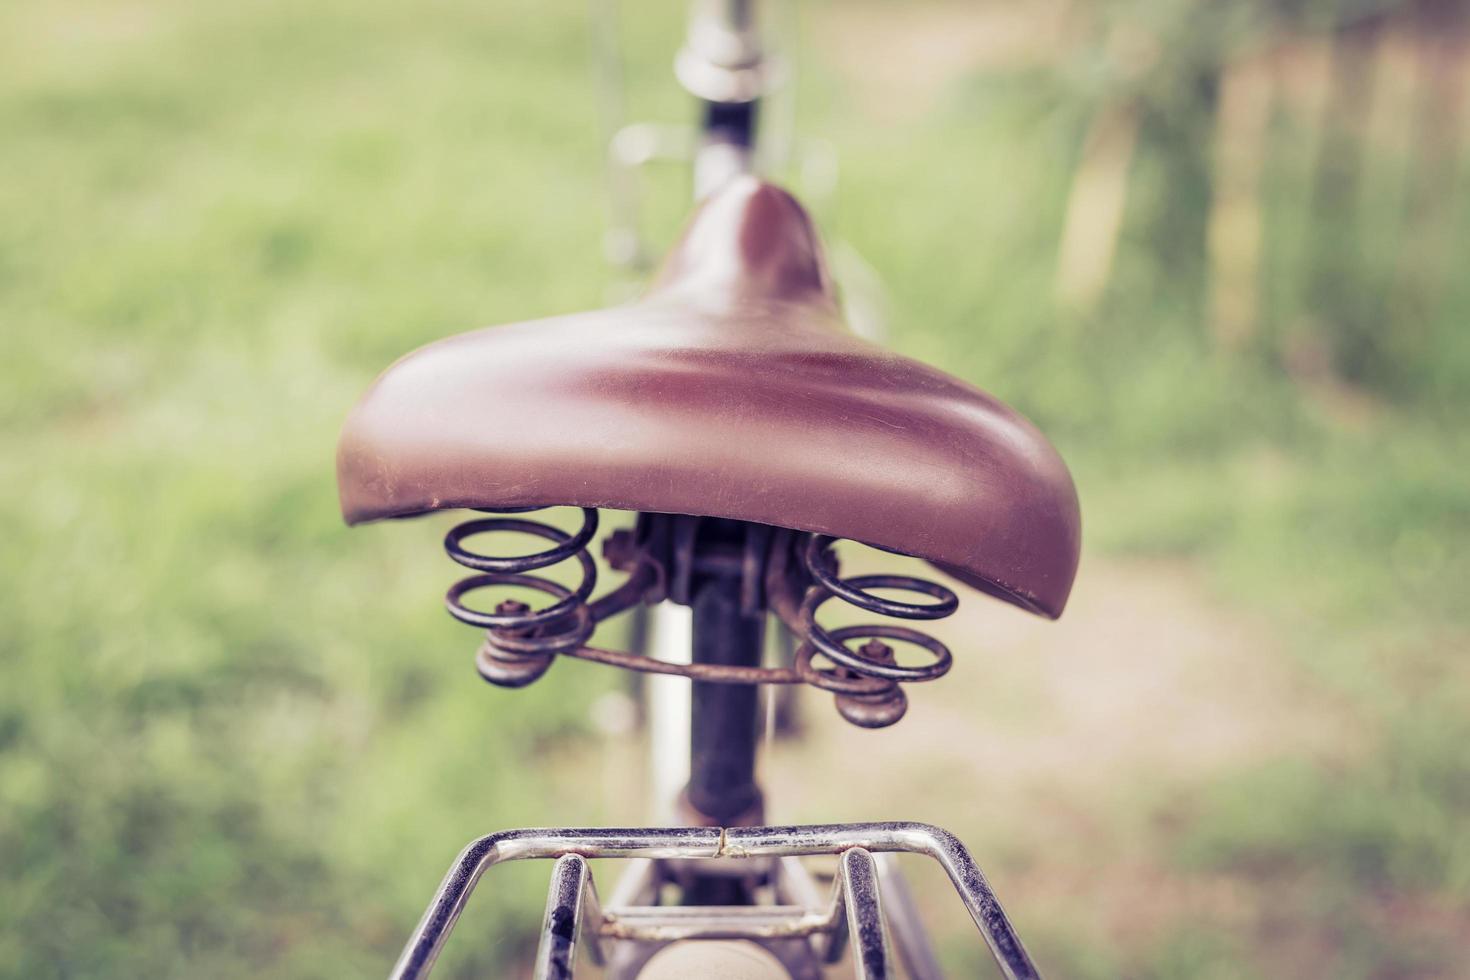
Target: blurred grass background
(236, 739)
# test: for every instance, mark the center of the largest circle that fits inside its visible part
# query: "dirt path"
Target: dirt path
(1049, 745)
(1144, 680)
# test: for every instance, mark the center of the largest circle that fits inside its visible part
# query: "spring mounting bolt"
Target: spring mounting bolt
(879, 709)
(507, 668)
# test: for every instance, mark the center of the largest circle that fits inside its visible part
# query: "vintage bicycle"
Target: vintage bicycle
(750, 431)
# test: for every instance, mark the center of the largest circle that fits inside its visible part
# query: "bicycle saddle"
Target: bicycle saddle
(732, 389)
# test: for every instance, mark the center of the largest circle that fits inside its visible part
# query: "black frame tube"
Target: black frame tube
(724, 729)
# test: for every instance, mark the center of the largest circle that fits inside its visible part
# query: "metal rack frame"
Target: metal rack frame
(853, 916)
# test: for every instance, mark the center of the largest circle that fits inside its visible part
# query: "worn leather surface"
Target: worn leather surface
(732, 389)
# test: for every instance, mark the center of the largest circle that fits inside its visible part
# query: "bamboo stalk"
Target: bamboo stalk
(1234, 237)
(1095, 206)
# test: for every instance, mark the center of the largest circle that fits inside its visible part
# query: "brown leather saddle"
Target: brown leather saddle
(732, 389)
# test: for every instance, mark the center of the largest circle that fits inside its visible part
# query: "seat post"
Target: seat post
(725, 718)
(718, 562)
(728, 629)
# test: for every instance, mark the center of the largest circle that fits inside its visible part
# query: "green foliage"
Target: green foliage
(1400, 821)
(236, 739)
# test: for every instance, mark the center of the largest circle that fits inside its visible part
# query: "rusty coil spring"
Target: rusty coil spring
(866, 680)
(520, 642)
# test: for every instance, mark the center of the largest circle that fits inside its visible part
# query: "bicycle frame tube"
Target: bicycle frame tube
(723, 65)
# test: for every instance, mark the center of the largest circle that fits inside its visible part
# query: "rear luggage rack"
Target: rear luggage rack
(799, 928)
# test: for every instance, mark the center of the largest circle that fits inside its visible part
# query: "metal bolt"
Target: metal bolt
(620, 550)
(512, 607)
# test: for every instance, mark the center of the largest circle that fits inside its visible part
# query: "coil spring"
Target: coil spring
(866, 680)
(520, 643)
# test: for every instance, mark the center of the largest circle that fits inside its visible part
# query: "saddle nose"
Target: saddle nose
(752, 241)
(732, 389)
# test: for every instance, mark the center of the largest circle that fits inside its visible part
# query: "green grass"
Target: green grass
(237, 739)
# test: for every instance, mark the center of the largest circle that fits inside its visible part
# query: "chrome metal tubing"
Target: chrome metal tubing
(658, 925)
(917, 838)
(664, 924)
(443, 912)
(723, 60)
(858, 873)
(571, 902)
